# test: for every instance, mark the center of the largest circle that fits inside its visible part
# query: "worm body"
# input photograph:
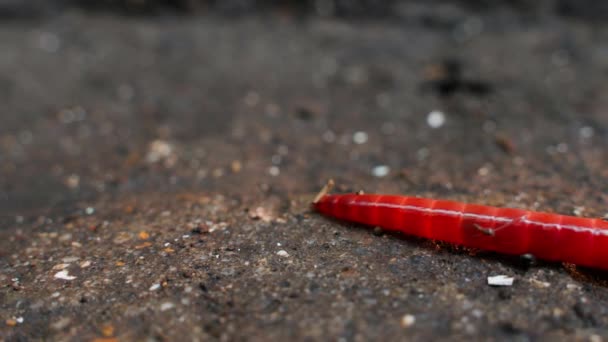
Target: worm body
(582, 241)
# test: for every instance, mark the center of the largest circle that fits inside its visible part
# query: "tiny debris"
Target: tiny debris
(85, 264)
(540, 284)
(408, 320)
(143, 235)
(381, 171)
(261, 213)
(578, 211)
(236, 166)
(61, 324)
(155, 287)
(166, 306)
(64, 275)
(505, 143)
(11, 322)
(586, 132)
(283, 253)
(107, 330)
(159, 150)
(360, 138)
(72, 181)
(274, 171)
(500, 280)
(435, 119)
(60, 267)
(89, 211)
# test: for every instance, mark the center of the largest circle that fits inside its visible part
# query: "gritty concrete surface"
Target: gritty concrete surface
(155, 172)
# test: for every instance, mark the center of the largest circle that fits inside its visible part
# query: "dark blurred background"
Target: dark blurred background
(586, 9)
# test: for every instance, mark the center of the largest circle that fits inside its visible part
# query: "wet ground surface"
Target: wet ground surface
(156, 172)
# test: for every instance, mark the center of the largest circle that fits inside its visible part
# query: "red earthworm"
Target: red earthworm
(553, 237)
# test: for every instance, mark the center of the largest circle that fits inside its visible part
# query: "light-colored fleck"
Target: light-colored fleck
(435, 119)
(64, 275)
(159, 150)
(274, 171)
(329, 137)
(586, 132)
(154, 287)
(539, 283)
(60, 267)
(61, 324)
(500, 280)
(283, 253)
(166, 306)
(360, 138)
(381, 170)
(408, 320)
(70, 259)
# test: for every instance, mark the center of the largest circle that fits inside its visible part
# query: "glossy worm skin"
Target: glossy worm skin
(581, 241)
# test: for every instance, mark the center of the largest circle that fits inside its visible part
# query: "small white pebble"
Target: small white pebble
(329, 137)
(586, 132)
(435, 119)
(571, 286)
(483, 171)
(422, 153)
(578, 211)
(19, 320)
(380, 171)
(154, 287)
(166, 306)
(89, 210)
(408, 320)
(64, 275)
(500, 280)
(360, 138)
(283, 253)
(595, 338)
(274, 171)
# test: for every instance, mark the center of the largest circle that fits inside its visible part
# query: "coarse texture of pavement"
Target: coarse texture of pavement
(156, 171)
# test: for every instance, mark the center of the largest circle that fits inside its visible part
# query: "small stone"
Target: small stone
(408, 320)
(72, 181)
(381, 171)
(159, 150)
(435, 119)
(61, 324)
(586, 132)
(166, 306)
(154, 287)
(360, 138)
(274, 171)
(500, 280)
(578, 211)
(283, 253)
(64, 275)
(236, 166)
